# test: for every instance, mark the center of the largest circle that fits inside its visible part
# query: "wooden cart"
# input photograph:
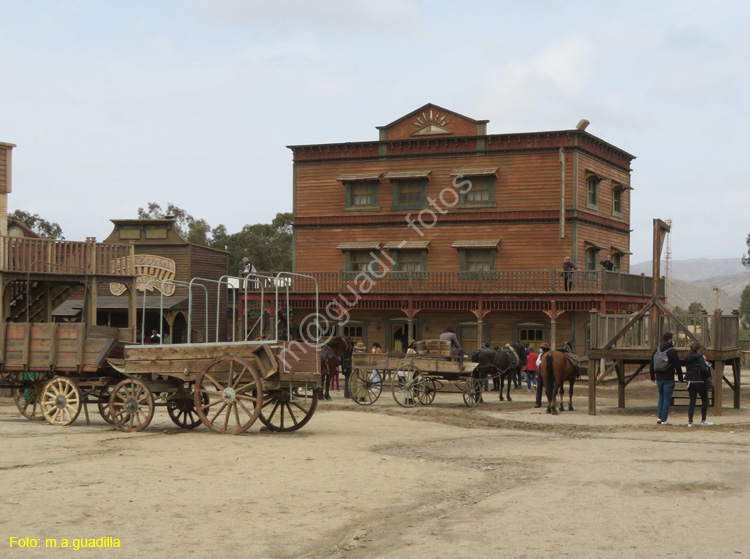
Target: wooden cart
(414, 378)
(56, 370)
(225, 386)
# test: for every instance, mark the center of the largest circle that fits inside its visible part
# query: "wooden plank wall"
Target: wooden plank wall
(210, 264)
(527, 182)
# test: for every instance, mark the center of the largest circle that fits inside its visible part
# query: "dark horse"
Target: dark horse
(556, 368)
(503, 362)
(329, 360)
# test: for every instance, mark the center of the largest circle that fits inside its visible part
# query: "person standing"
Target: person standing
(665, 362)
(568, 268)
(531, 368)
(696, 375)
(607, 263)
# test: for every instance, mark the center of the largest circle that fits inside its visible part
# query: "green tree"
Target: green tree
(746, 257)
(196, 231)
(696, 308)
(38, 224)
(745, 307)
(268, 246)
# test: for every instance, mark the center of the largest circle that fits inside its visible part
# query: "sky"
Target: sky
(116, 104)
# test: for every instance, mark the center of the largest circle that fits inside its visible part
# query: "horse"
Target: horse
(329, 360)
(555, 369)
(503, 362)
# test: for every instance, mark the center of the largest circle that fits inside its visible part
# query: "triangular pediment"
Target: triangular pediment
(431, 130)
(432, 120)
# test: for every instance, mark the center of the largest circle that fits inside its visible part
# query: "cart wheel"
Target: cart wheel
(406, 387)
(284, 410)
(27, 399)
(472, 392)
(103, 402)
(427, 392)
(131, 405)
(61, 401)
(364, 390)
(234, 391)
(183, 413)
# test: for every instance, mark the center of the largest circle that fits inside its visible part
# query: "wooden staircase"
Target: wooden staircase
(36, 296)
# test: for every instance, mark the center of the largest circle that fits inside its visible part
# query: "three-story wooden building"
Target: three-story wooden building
(438, 222)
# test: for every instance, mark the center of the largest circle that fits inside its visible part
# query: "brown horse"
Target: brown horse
(329, 360)
(556, 368)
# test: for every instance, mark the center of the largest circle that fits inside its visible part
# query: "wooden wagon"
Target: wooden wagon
(56, 370)
(53, 370)
(414, 378)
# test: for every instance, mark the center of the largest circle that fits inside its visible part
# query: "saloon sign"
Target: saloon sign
(148, 268)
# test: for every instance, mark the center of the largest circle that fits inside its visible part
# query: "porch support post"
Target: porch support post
(553, 325)
(593, 363)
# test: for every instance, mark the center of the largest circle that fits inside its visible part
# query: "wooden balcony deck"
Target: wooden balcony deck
(535, 282)
(48, 257)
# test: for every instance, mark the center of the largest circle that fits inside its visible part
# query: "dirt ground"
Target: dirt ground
(501, 480)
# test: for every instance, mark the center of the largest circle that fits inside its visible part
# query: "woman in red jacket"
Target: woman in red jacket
(531, 368)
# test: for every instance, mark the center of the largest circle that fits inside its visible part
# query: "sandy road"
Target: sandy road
(501, 480)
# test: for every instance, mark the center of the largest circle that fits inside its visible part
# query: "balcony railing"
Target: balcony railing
(20, 254)
(517, 282)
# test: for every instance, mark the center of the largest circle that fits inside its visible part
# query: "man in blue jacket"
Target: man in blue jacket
(665, 362)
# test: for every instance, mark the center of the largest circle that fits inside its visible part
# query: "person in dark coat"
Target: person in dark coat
(568, 268)
(696, 373)
(607, 263)
(665, 379)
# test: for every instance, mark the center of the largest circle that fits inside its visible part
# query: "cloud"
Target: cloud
(331, 15)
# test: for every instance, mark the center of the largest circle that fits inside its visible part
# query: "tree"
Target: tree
(267, 245)
(696, 308)
(745, 307)
(196, 231)
(746, 257)
(46, 229)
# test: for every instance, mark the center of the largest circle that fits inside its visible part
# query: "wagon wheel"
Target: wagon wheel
(61, 401)
(27, 399)
(472, 392)
(103, 404)
(183, 413)
(427, 392)
(283, 410)
(364, 390)
(406, 387)
(131, 405)
(234, 391)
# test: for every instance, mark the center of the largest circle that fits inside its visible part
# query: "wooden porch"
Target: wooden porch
(622, 344)
(36, 275)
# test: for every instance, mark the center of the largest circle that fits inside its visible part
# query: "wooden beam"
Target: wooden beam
(3, 337)
(593, 370)
(80, 346)
(26, 345)
(680, 324)
(629, 325)
(635, 374)
(53, 346)
(718, 385)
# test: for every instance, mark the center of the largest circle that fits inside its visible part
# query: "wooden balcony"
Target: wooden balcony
(534, 282)
(21, 255)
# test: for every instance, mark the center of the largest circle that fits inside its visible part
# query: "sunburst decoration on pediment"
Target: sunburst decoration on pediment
(431, 122)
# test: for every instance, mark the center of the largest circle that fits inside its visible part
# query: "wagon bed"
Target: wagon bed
(414, 378)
